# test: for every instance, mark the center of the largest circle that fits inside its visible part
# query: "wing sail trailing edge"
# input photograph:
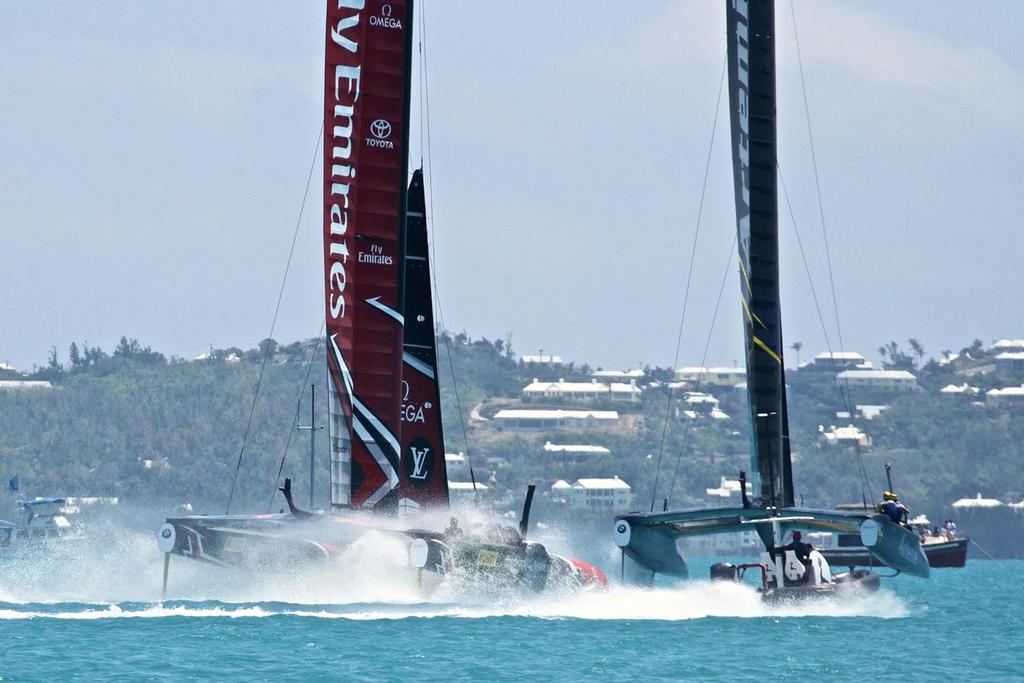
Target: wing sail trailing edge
(423, 475)
(366, 112)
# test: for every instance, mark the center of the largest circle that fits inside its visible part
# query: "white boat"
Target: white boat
(40, 521)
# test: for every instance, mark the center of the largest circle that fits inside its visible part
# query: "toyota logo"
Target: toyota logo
(381, 129)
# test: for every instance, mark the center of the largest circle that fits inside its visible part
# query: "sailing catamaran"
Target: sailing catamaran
(650, 538)
(385, 431)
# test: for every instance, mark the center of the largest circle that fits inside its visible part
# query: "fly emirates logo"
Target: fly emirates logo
(344, 96)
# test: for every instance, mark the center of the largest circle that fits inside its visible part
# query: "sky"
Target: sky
(154, 156)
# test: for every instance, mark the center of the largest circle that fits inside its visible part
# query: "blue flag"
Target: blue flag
(13, 483)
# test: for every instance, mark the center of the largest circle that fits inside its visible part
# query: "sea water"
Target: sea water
(91, 613)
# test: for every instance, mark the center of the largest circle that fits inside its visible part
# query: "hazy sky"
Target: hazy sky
(153, 157)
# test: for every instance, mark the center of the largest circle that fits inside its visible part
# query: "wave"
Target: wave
(694, 601)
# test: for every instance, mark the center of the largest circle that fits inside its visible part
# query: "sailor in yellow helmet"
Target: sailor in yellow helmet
(892, 508)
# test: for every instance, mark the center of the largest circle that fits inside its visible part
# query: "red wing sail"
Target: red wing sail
(424, 478)
(366, 110)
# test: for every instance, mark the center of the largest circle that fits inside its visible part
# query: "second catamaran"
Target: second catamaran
(650, 538)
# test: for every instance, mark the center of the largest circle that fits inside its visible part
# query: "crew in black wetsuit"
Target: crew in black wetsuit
(800, 549)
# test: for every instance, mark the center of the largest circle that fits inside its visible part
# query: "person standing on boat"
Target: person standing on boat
(453, 531)
(800, 549)
(892, 508)
(950, 527)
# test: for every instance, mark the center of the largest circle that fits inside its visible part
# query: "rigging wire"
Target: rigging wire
(689, 276)
(817, 186)
(425, 117)
(824, 233)
(703, 363)
(298, 407)
(844, 397)
(273, 324)
(689, 279)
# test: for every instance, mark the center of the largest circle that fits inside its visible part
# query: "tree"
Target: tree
(917, 348)
(74, 356)
(796, 346)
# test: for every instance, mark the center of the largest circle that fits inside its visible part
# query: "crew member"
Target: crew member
(800, 549)
(950, 527)
(453, 530)
(892, 508)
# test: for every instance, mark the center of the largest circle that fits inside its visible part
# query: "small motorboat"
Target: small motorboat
(784, 578)
(40, 521)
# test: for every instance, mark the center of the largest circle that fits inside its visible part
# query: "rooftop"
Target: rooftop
(1008, 391)
(561, 386)
(722, 370)
(25, 384)
(876, 374)
(617, 374)
(840, 355)
(466, 486)
(613, 483)
(543, 359)
(523, 414)
(574, 448)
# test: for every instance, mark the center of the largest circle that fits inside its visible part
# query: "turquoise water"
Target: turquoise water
(958, 623)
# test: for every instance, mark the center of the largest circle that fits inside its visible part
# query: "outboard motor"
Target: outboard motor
(724, 571)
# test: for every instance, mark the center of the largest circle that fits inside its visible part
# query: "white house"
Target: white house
(882, 380)
(611, 493)
(844, 436)
(839, 360)
(1006, 396)
(964, 389)
(870, 412)
(617, 375)
(561, 491)
(542, 359)
(463, 490)
(1007, 346)
(575, 449)
(727, 488)
(581, 391)
(1010, 360)
(518, 420)
(18, 384)
(718, 376)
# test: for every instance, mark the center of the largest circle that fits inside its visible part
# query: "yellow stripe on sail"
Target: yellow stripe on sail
(751, 316)
(767, 350)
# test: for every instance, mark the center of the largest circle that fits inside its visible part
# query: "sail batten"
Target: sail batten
(751, 66)
(366, 111)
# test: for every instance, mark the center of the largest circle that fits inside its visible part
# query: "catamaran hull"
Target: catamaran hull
(283, 542)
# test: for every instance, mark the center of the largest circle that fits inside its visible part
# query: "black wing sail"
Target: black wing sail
(751, 44)
(423, 477)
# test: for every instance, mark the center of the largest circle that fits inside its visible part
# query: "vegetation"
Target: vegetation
(136, 424)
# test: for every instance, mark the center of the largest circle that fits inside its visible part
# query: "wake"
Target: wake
(120, 579)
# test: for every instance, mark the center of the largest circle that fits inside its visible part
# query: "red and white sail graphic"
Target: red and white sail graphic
(366, 110)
